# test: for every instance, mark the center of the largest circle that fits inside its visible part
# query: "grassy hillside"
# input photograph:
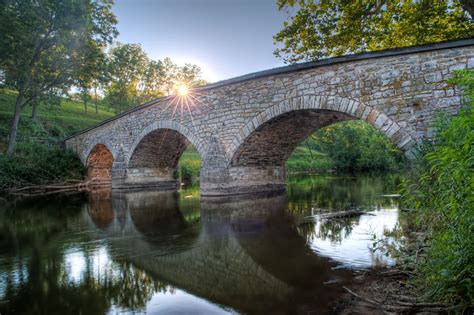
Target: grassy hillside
(35, 161)
(57, 121)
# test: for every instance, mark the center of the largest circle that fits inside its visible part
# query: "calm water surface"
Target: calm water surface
(174, 252)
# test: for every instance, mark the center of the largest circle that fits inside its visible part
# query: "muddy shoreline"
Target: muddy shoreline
(388, 291)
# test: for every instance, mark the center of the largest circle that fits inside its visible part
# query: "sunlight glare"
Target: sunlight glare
(183, 90)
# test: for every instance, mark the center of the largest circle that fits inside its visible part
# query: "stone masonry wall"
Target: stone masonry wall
(245, 128)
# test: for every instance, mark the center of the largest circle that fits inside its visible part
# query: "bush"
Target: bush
(189, 164)
(34, 164)
(441, 196)
(357, 146)
(190, 169)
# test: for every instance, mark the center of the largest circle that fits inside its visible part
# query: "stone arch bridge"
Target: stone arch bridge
(246, 128)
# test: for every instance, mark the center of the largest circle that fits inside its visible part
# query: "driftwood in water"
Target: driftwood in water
(64, 187)
(343, 214)
(334, 216)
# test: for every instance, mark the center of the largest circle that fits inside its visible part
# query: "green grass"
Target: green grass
(57, 121)
(304, 160)
(35, 160)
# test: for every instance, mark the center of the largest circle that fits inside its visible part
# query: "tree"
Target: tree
(153, 81)
(134, 78)
(327, 28)
(127, 64)
(174, 75)
(356, 145)
(91, 70)
(190, 75)
(42, 44)
(170, 75)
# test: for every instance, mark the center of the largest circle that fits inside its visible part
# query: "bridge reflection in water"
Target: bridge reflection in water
(245, 253)
(170, 252)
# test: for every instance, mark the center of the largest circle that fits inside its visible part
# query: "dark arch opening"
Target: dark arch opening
(274, 141)
(259, 161)
(154, 161)
(99, 165)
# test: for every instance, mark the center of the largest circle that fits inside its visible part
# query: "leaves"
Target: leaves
(324, 28)
(134, 78)
(441, 193)
(355, 145)
(45, 45)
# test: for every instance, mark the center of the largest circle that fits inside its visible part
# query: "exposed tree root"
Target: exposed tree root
(390, 296)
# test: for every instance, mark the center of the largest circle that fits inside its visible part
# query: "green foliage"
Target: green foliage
(46, 45)
(306, 159)
(126, 67)
(357, 146)
(134, 78)
(42, 162)
(190, 164)
(327, 28)
(34, 164)
(441, 196)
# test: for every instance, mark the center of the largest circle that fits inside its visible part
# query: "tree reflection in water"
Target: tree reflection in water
(55, 271)
(333, 230)
(121, 251)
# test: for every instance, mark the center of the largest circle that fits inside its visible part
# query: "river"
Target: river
(167, 252)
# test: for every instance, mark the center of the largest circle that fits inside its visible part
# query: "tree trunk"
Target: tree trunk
(34, 111)
(96, 109)
(468, 5)
(16, 120)
(310, 151)
(85, 105)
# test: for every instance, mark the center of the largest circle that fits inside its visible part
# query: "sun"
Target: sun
(182, 90)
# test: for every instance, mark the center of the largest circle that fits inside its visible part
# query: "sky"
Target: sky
(226, 38)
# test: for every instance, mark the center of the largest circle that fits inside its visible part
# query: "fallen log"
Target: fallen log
(343, 214)
(334, 216)
(75, 185)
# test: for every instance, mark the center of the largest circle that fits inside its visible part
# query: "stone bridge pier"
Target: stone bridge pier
(246, 128)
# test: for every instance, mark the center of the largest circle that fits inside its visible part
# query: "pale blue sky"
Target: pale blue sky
(227, 38)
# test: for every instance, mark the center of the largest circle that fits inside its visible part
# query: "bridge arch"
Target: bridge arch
(335, 109)
(257, 155)
(153, 157)
(165, 124)
(99, 163)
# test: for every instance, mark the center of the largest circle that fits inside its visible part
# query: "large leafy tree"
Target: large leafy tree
(327, 28)
(43, 42)
(127, 65)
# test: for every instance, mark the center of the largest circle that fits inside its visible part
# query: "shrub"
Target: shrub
(34, 164)
(441, 196)
(357, 146)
